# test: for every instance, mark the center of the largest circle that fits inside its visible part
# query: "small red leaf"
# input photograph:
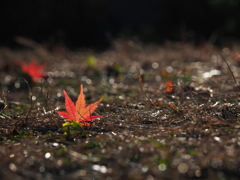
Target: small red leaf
(33, 70)
(80, 112)
(169, 87)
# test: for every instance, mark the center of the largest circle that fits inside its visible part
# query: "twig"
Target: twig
(229, 69)
(30, 96)
(141, 86)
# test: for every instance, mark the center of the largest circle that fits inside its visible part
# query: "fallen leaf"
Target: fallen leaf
(80, 113)
(33, 71)
(72, 127)
(158, 103)
(169, 87)
(236, 56)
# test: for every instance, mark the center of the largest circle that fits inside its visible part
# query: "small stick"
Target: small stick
(141, 86)
(30, 96)
(229, 69)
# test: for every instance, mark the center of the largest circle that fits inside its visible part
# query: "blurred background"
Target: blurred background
(96, 23)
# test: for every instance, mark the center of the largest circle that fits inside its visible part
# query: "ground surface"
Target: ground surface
(146, 133)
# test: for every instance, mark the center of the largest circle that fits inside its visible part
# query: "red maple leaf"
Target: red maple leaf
(33, 71)
(80, 113)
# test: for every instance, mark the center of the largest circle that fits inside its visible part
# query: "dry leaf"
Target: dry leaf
(169, 87)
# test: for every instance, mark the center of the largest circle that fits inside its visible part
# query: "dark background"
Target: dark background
(95, 23)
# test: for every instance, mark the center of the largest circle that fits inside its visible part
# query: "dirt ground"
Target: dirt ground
(147, 132)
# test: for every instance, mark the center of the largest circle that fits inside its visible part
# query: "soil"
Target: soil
(190, 131)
